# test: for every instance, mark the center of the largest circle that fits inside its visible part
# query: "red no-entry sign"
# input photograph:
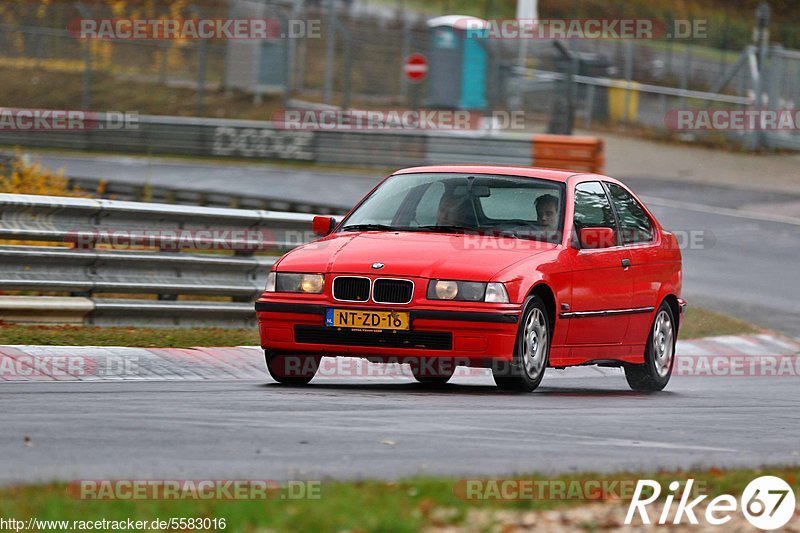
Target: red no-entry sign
(415, 68)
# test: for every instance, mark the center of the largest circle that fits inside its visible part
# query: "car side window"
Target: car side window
(633, 220)
(592, 207)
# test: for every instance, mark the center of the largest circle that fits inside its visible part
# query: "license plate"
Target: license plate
(355, 319)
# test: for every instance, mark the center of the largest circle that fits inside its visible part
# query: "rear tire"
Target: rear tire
(659, 355)
(292, 369)
(531, 352)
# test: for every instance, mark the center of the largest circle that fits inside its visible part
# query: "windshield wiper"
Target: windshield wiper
(368, 227)
(447, 228)
(453, 228)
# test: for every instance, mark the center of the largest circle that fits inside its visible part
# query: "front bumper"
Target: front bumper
(478, 335)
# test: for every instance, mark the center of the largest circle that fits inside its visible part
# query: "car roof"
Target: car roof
(528, 172)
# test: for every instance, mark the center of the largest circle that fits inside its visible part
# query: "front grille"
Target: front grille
(392, 291)
(430, 340)
(351, 289)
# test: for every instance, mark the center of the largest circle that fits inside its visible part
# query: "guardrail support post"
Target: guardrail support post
(86, 97)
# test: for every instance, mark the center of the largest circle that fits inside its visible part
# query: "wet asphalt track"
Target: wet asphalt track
(353, 429)
(356, 428)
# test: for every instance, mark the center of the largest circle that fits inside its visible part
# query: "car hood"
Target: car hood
(428, 255)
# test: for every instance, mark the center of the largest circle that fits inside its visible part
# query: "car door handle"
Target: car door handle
(626, 263)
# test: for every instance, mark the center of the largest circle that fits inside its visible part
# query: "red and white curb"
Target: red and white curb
(727, 356)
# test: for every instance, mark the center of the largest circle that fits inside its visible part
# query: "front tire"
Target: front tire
(659, 355)
(292, 369)
(437, 375)
(531, 352)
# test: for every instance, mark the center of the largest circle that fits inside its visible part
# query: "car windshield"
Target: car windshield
(453, 202)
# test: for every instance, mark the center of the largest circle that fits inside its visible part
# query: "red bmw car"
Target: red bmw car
(511, 268)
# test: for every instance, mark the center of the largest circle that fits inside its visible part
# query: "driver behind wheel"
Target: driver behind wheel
(456, 210)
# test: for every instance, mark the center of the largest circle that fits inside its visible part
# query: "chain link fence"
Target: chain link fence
(355, 59)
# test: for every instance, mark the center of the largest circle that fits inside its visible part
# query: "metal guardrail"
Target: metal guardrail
(262, 140)
(55, 218)
(531, 80)
(114, 248)
(60, 269)
(113, 190)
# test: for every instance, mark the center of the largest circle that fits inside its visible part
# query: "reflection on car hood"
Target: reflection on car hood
(428, 255)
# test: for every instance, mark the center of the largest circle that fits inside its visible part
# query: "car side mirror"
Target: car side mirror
(323, 225)
(597, 237)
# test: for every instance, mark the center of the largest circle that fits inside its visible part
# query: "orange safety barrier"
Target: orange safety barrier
(583, 154)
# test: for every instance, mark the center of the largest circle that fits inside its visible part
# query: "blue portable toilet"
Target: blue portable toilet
(457, 63)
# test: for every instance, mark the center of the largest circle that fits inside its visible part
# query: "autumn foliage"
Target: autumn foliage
(18, 175)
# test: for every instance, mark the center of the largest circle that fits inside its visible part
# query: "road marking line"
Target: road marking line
(724, 211)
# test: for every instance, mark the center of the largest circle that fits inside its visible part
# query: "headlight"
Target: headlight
(471, 291)
(285, 282)
(444, 290)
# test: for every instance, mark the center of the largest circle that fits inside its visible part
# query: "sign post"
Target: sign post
(415, 68)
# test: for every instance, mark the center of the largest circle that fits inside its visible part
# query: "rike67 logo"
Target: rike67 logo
(768, 503)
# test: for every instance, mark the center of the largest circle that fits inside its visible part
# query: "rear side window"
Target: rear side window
(592, 208)
(633, 220)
